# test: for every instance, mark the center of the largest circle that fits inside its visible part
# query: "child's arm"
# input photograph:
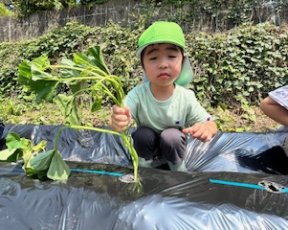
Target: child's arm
(275, 111)
(203, 131)
(120, 118)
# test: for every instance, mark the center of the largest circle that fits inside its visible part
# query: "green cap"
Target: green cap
(167, 32)
(161, 32)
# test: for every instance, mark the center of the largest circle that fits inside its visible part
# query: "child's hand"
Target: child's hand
(202, 131)
(120, 118)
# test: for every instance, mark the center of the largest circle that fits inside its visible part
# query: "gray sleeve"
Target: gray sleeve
(280, 96)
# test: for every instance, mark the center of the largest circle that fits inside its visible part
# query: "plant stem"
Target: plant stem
(127, 140)
(129, 144)
(95, 129)
(57, 136)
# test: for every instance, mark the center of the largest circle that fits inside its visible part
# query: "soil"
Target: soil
(263, 123)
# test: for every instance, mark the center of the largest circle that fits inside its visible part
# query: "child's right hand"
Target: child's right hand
(120, 118)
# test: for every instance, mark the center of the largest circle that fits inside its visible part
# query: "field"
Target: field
(19, 112)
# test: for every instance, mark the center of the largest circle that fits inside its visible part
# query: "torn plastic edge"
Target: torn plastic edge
(266, 185)
(273, 186)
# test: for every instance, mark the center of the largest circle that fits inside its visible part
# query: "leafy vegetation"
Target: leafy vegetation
(85, 76)
(240, 66)
(244, 63)
(4, 11)
(26, 8)
(36, 161)
(232, 70)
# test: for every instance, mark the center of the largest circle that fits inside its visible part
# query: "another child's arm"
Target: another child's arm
(120, 118)
(203, 131)
(274, 110)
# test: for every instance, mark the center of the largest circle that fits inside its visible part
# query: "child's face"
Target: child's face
(162, 63)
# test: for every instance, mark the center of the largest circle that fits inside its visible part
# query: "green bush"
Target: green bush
(230, 69)
(245, 63)
(4, 11)
(57, 43)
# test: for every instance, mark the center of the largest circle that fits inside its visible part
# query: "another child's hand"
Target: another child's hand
(120, 118)
(202, 131)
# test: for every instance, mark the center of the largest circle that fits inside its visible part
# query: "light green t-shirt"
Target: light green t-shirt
(181, 110)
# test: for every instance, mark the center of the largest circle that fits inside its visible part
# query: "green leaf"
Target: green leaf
(68, 72)
(96, 52)
(24, 72)
(58, 169)
(13, 141)
(39, 66)
(68, 108)
(40, 146)
(71, 72)
(30, 150)
(15, 147)
(32, 75)
(8, 155)
(40, 162)
(93, 57)
(97, 103)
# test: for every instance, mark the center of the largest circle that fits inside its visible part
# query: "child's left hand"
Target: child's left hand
(202, 131)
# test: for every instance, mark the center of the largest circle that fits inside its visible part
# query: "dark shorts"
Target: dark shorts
(1, 129)
(2, 138)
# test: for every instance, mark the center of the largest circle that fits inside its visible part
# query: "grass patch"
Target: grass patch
(15, 111)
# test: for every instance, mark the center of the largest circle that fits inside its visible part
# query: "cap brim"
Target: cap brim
(139, 50)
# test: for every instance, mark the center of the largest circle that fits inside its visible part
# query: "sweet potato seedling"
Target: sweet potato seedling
(85, 74)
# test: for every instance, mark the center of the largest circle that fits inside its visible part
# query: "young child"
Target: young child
(275, 105)
(164, 111)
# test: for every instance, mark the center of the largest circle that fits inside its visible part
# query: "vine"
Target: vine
(85, 75)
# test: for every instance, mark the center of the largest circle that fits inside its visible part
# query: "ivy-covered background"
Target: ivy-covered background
(229, 68)
(233, 69)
